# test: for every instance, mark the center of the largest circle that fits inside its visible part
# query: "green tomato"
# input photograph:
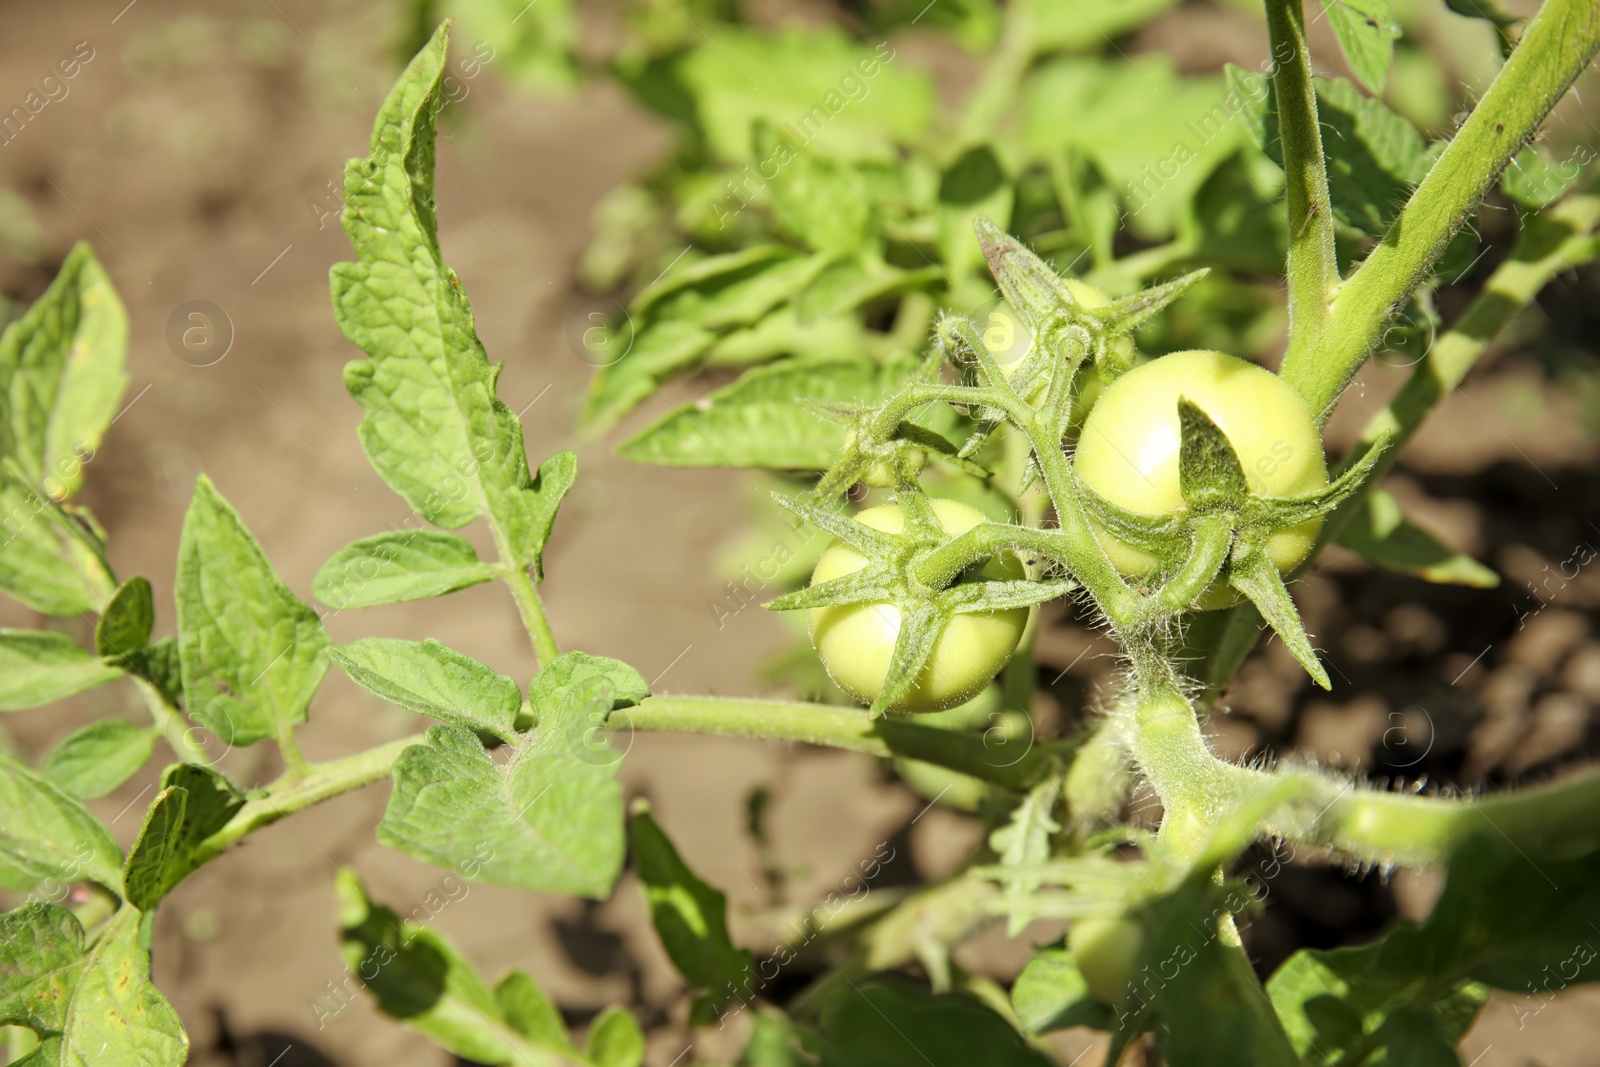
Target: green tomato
(878, 474)
(1128, 450)
(1106, 950)
(856, 641)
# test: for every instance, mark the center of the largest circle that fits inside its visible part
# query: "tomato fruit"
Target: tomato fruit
(1128, 449)
(856, 641)
(1106, 950)
(1008, 339)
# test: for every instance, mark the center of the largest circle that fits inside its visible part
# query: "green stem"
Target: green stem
(992, 98)
(171, 723)
(940, 567)
(531, 608)
(1559, 43)
(850, 729)
(1370, 826)
(295, 792)
(1313, 271)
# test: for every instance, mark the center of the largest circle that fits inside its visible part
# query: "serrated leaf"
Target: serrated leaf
(576, 690)
(401, 565)
(757, 422)
(690, 917)
(419, 977)
(546, 820)
(615, 1040)
(252, 652)
(41, 953)
(42, 548)
(656, 354)
(1051, 994)
(1379, 532)
(95, 760)
(38, 667)
(47, 833)
(127, 620)
(194, 803)
(115, 1015)
(1367, 31)
(433, 679)
(61, 372)
(885, 1021)
(1025, 842)
(433, 429)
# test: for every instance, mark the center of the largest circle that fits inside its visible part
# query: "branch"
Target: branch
(1313, 271)
(1559, 43)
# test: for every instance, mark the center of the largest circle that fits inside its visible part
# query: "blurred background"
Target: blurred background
(199, 149)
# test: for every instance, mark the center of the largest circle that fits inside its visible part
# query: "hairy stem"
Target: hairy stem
(531, 608)
(1326, 812)
(1313, 271)
(850, 729)
(1559, 43)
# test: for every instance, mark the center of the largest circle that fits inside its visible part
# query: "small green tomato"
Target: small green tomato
(1106, 950)
(856, 641)
(878, 474)
(1128, 450)
(1008, 338)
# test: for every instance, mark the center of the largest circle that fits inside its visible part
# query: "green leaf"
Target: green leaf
(1051, 994)
(61, 373)
(815, 199)
(656, 354)
(159, 664)
(41, 952)
(47, 833)
(757, 422)
(194, 803)
(127, 620)
(401, 565)
(825, 90)
(38, 545)
(575, 692)
(1375, 156)
(1367, 31)
(37, 667)
(545, 820)
(974, 185)
(1087, 25)
(433, 429)
(1025, 842)
(419, 977)
(252, 652)
(1503, 920)
(885, 1021)
(531, 1013)
(615, 1040)
(93, 761)
(690, 917)
(116, 1016)
(433, 679)
(1379, 532)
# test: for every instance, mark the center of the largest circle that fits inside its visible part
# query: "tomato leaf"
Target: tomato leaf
(815, 199)
(756, 421)
(530, 1012)
(1086, 25)
(38, 667)
(41, 952)
(61, 373)
(1025, 842)
(93, 761)
(690, 917)
(433, 679)
(396, 566)
(113, 994)
(1379, 532)
(434, 429)
(194, 803)
(886, 1021)
(252, 652)
(127, 620)
(416, 975)
(1367, 31)
(52, 560)
(615, 1040)
(1051, 994)
(47, 833)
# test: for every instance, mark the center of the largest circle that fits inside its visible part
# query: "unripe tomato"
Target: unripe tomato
(878, 474)
(1128, 450)
(856, 641)
(1106, 950)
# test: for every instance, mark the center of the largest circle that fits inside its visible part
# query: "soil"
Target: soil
(196, 149)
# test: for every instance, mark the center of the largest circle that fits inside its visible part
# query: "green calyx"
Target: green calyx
(929, 576)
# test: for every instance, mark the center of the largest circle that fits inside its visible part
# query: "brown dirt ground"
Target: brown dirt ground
(193, 150)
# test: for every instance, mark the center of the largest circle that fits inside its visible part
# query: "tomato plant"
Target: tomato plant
(843, 235)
